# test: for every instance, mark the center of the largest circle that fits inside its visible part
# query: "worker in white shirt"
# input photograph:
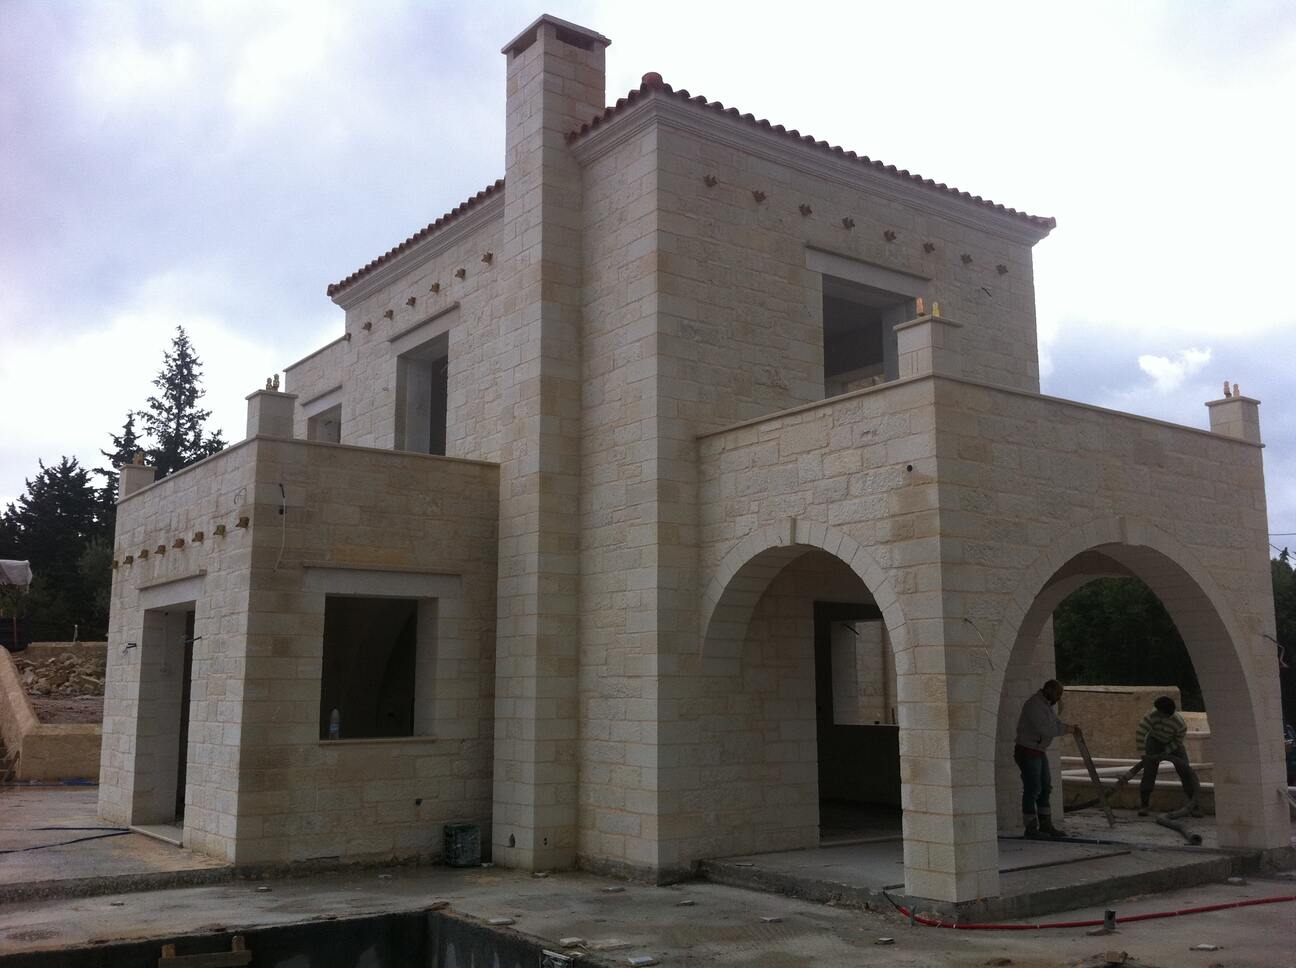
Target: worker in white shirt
(1036, 728)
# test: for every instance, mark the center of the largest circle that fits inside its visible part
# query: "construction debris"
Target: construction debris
(65, 674)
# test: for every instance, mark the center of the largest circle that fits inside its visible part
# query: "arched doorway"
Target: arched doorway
(1233, 664)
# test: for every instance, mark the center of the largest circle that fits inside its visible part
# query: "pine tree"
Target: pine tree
(124, 448)
(173, 418)
(51, 525)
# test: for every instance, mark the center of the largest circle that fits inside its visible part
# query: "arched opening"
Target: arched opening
(1229, 666)
(786, 722)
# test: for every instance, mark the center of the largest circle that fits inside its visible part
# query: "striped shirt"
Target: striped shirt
(1166, 732)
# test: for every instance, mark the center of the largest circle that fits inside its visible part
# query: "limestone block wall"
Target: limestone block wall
(367, 522)
(213, 571)
(620, 586)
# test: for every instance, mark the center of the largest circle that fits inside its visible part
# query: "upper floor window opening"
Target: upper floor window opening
(859, 339)
(422, 396)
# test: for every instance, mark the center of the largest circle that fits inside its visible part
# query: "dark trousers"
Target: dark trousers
(1178, 758)
(1037, 783)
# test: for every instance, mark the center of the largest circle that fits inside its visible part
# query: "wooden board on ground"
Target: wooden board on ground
(1093, 775)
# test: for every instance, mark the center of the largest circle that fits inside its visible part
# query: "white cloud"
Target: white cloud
(1169, 374)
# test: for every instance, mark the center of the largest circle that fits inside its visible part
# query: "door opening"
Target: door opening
(186, 691)
(857, 736)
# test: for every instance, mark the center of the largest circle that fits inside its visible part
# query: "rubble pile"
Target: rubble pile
(66, 674)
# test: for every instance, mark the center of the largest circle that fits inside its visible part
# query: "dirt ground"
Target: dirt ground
(72, 709)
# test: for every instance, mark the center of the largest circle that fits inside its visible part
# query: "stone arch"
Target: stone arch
(746, 571)
(1221, 648)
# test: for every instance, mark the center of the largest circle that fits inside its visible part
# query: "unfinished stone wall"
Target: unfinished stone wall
(365, 522)
(261, 785)
(1031, 485)
(741, 312)
(364, 366)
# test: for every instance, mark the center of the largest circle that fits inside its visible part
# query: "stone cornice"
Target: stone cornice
(423, 252)
(769, 146)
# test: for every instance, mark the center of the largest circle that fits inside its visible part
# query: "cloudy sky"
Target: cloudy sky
(215, 164)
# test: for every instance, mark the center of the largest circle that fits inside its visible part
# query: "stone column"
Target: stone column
(555, 83)
(131, 477)
(1235, 417)
(270, 414)
(929, 344)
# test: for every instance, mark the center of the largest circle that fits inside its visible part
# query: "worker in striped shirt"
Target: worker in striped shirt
(1160, 736)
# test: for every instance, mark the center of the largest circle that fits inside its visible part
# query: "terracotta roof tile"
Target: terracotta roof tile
(654, 82)
(417, 237)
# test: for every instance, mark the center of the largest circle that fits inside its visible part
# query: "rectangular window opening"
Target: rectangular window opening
(859, 339)
(422, 397)
(375, 670)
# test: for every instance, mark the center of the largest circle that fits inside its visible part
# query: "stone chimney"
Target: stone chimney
(270, 413)
(1235, 416)
(131, 477)
(555, 83)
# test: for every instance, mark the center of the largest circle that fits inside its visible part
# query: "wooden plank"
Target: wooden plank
(237, 958)
(1093, 775)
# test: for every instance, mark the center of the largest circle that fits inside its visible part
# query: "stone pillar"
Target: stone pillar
(270, 414)
(1235, 417)
(929, 344)
(131, 477)
(555, 81)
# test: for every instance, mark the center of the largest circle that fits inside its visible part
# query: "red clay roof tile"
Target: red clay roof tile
(654, 82)
(417, 237)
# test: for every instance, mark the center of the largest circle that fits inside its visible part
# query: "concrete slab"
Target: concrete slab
(1036, 877)
(722, 927)
(55, 845)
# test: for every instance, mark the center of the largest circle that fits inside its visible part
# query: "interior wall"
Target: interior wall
(859, 745)
(157, 751)
(753, 755)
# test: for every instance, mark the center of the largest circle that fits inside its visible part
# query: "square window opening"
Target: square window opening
(376, 676)
(422, 397)
(326, 425)
(859, 339)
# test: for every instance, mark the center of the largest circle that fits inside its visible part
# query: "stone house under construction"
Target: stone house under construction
(691, 477)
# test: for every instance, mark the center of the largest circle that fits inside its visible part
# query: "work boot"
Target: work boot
(1047, 829)
(1032, 829)
(1143, 809)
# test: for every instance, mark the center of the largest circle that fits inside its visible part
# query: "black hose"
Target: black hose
(64, 843)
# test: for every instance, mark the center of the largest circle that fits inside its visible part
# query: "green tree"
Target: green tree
(51, 524)
(1284, 593)
(173, 418)
(1115, 631)
(124, 448)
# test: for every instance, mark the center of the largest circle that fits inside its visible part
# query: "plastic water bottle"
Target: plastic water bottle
(335, 725)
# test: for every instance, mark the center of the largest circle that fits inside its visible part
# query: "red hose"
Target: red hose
(1096, 922)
